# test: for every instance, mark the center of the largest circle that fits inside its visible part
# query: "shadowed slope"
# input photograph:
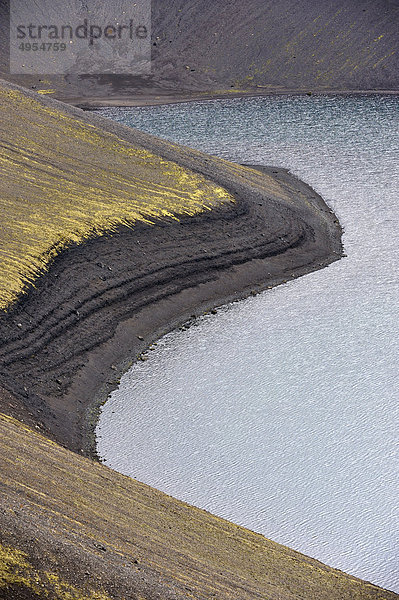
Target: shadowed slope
(298, 44)
(258, 45)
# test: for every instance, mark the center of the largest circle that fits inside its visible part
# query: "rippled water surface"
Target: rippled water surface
(281, 412)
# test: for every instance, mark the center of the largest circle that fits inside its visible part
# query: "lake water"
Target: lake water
(281, 412)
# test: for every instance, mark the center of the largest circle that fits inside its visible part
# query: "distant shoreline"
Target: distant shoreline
(126, 101)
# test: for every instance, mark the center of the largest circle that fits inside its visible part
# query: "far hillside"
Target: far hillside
(258, 45)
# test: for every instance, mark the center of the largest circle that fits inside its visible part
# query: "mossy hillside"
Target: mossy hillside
(64, 180)
(89, 514)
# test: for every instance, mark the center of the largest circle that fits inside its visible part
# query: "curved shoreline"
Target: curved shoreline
(146, 280)
(192, 303)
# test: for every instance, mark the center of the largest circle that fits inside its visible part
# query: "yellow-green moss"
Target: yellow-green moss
(64, 180)
(16, 572)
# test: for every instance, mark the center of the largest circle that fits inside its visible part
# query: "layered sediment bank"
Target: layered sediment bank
(72, 528)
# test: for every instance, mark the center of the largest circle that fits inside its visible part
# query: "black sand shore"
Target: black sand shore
(87, 316)
(137, 99)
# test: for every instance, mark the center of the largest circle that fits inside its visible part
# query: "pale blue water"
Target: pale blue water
(281, 412)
